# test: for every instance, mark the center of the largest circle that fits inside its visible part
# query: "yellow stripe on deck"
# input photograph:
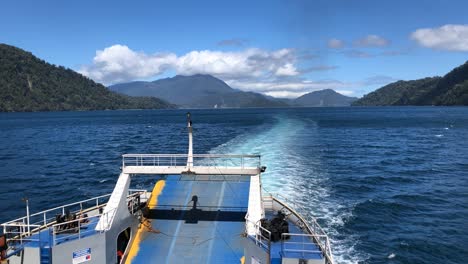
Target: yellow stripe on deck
(152, 203)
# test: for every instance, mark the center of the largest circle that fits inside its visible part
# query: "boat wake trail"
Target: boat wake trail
(290, 148)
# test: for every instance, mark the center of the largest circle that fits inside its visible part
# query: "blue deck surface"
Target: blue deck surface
(181, 241)
(276, 247)
(276, 250)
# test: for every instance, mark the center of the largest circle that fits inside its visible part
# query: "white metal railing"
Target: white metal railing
(304, 247)
(306, 220)
(15, 232)
(135, 197)
(262, 236)
(77, 228)
(171, 160)
(47, 216)
(19, 231)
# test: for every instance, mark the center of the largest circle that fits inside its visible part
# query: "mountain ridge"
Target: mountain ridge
(450, 89)
(197, 91)
(28, 83)
(323, 98)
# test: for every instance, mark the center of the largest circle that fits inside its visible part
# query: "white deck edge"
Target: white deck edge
(255, 211)
(202, 170)
(117, 200)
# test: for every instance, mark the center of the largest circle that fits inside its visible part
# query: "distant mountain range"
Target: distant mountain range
(206, 91)
(451, 89)
(197, 91)
(327, 97)
(28, 83)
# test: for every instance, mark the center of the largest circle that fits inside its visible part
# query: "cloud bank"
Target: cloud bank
(447, 37)
(274, 72)
(119, 63)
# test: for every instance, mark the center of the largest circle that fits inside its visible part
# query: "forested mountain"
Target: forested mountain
(199, 91)
(327, 97)
(451, 89)
(28, 83)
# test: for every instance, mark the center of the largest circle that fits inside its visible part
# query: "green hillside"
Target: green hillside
(28, 83)
(451, 89)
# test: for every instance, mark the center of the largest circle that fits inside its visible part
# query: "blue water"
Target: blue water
(390, 185)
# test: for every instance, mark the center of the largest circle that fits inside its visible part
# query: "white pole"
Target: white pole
(27, 215)
(190, 150)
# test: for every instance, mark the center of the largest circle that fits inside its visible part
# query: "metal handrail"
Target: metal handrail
(59, 207)
(26, 232)
(259, 238)
(181, 160)
(316, 231)
(61, 228)
(303, 243)
(131, 192)
(195, 155)
(301, 211)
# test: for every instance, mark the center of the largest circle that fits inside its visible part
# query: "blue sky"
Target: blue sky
(281, 48)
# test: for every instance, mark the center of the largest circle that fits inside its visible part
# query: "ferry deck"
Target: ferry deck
(202, 209)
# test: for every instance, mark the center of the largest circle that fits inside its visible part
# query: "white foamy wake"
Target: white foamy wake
(299, 178)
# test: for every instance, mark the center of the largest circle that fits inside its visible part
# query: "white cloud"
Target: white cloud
(447, 37)
(287, 70)
(289, 89)
(118, 63)
(372, 41)
(335, 43)
(345, 92)
(274, 73)
(285, 94)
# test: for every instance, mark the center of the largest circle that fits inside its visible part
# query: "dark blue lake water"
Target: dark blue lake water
(390, 185)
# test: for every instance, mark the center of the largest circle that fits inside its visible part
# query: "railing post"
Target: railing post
(282, 243)
(303, 246)
(269, 248)
(45, 218)
(54, 236)
(326, 246)
(27, 215)
(79, 229)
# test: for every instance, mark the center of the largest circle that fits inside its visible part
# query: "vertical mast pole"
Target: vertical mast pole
(190, 150)
(27, 215)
